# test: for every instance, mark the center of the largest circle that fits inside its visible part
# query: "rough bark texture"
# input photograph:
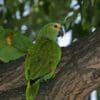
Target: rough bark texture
(78, 73)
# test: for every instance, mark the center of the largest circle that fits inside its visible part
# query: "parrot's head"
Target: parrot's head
(51, 31)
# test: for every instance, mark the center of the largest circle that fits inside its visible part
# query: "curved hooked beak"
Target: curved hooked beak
(61, 32)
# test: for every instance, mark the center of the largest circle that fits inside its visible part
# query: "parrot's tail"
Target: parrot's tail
(32, 89)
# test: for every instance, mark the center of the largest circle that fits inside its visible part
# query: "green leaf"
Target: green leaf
(98, 94)
(93, 2)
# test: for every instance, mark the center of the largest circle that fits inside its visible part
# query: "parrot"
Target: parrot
(18, 41)
(13, 45)
(42, 58)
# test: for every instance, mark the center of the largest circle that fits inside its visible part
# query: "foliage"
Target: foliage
(32, 13)
(85, 17)
(98, 94)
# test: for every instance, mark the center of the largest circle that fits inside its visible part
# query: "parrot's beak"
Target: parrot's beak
(61, 32)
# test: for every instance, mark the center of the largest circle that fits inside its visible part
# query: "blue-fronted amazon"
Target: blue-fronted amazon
(42, 58)
(13, 45)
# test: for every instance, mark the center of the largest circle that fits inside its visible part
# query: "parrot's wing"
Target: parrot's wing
(42, 59)
(21, 42)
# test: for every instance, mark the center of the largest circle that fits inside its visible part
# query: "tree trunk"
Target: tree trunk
(78, 73)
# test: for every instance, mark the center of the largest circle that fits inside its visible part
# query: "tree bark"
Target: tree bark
(78, 73)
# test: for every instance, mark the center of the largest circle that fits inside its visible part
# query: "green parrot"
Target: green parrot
(42, 58)
(12, 45)
(18, 41)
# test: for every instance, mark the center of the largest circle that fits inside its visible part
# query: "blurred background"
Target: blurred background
(79, 18)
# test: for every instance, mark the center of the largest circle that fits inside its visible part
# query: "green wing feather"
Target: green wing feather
(21, 42)
(42, 57)
(42, 60)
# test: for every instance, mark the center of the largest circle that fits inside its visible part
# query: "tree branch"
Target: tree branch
(78, 73)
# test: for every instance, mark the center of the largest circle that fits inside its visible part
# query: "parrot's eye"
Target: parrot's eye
(55, 26)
